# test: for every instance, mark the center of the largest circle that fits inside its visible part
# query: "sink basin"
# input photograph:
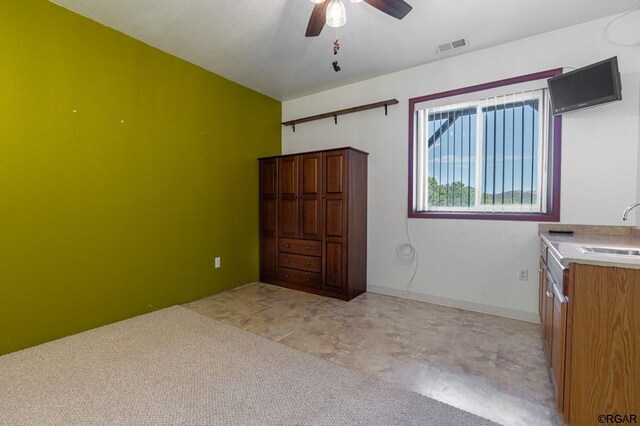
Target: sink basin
(622, 251)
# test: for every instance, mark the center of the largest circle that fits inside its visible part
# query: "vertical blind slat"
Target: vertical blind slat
(513, 150)
(522, 159)
(533, 126)
(504, 131)
(453, 189)
(484, 157)
(440, 162)
(495, 136)
(447, 160)
(469, 165)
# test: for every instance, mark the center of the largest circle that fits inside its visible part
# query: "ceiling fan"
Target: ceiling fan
(332, 13)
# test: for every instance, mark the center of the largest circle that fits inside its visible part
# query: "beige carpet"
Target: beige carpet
(175, 366)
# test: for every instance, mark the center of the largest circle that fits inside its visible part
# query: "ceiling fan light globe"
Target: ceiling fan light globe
(336, 14)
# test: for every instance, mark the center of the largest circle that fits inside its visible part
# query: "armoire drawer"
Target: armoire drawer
(297, 261)
(294, 276)
(305, 247)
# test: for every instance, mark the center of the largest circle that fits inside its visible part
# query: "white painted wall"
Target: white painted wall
(474, 264)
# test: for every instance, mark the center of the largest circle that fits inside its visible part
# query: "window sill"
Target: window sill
(523, 217)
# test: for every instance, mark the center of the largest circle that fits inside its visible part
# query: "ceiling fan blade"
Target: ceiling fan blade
(396, 8)
(318, 19)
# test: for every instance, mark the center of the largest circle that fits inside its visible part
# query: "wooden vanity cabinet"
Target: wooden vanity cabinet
(603, 343)
(591, 330)
(320, 220)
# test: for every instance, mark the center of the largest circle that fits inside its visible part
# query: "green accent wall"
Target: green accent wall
(123, 172)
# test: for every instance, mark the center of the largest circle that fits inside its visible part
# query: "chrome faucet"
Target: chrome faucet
(628, 209)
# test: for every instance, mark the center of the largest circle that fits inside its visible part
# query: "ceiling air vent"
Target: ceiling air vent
(452, 45)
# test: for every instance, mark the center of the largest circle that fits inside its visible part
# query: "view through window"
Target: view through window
(492, 155)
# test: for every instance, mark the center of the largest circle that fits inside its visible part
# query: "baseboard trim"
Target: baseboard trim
(455, 303)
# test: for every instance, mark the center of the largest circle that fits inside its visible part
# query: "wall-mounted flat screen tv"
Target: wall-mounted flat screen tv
(588, 86)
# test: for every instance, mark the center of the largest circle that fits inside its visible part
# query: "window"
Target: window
(486, 152)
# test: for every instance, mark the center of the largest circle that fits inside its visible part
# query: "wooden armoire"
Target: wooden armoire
(313, 222)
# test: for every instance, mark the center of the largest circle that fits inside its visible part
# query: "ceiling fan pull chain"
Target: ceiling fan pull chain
(336, 67)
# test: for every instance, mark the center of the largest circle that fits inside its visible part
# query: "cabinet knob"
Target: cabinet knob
(286, 261)
(308, 279)
(549, 294)
(287, 245)
(308, 247)
(286, 275)
(308, 263)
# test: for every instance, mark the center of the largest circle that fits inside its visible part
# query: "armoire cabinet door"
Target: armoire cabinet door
(311, 196)
(334, 267)
(289, 192)
(335, 198)
(269, 196)
(268, 219)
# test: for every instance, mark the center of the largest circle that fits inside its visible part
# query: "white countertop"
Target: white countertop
(566, 249)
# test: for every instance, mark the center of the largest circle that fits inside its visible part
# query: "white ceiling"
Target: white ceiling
(261, 44)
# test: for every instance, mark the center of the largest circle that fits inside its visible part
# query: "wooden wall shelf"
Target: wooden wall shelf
(335, 114)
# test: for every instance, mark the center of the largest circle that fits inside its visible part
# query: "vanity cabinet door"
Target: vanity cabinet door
(547, 324)
(542, 286)
(558, 339)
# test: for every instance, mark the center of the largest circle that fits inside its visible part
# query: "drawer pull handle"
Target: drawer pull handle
(286, 261)
(287, 245)
(308, 263)
(549, 294)
(308, 247)
(286, 275)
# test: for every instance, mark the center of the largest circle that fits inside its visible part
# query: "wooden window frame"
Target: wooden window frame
(553, 211)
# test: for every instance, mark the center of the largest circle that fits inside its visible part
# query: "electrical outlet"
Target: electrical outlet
(523, 275)
(217, 262)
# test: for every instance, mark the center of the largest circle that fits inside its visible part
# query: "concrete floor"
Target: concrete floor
(490, 366)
